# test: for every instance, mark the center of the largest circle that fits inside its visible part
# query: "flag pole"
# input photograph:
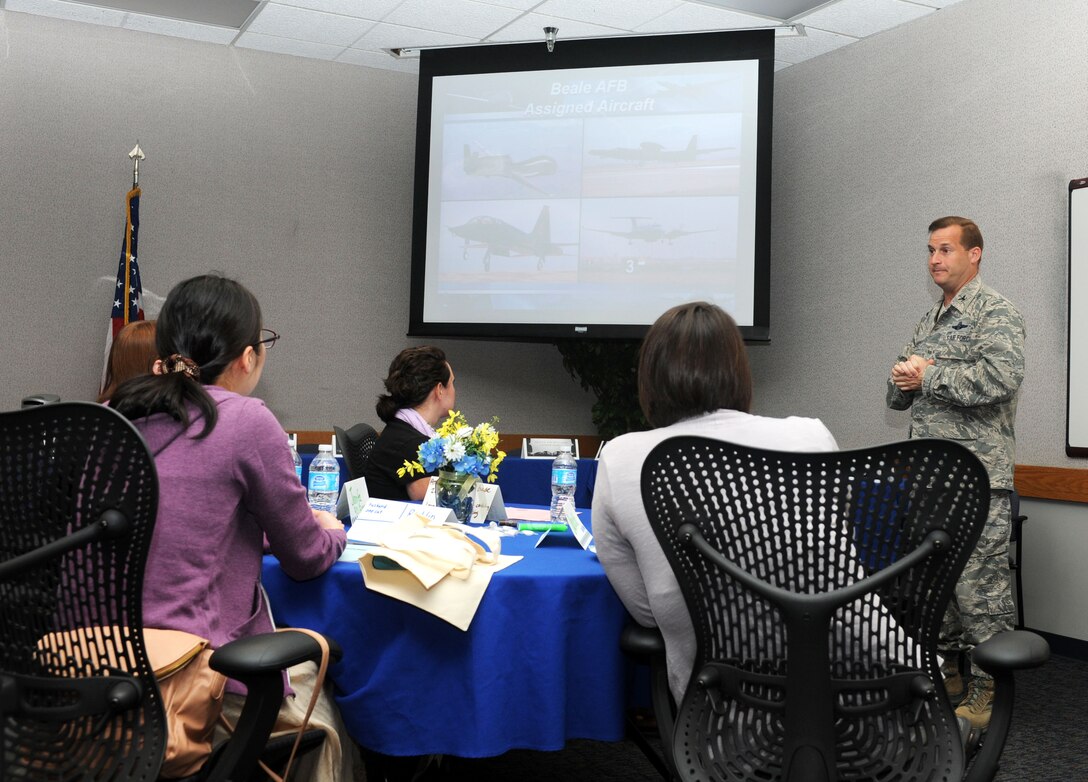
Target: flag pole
(136, 155)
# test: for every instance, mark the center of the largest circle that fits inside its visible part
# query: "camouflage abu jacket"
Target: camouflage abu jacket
(970, 393)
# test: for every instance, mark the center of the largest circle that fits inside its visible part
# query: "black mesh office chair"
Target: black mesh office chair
(816, 585)
(356, 444)
(78, 498)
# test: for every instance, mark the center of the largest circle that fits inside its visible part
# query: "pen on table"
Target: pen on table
(541, 526)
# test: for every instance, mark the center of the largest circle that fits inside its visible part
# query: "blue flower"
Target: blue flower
(473, 464)
(432, 454)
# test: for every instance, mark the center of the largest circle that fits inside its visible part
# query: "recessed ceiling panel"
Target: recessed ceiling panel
(223, 13)
(783, 10)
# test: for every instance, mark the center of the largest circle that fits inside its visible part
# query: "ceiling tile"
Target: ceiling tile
(460, 17)
(179, 29)
(691, 17)
(360, 9)
(76, 12)
(301, 24)
(389, 36)
(815, 42)
(272, 43)
(860, 18)
(521, 5)
(531, 28)
(609, 13)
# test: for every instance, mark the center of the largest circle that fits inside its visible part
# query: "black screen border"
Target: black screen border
(589, 53)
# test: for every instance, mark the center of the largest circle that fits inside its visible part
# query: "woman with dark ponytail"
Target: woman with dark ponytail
(420, 394)
(226, 483)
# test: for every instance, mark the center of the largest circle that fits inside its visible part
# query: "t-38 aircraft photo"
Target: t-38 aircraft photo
(498, 237)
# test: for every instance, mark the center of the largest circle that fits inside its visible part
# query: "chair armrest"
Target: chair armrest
(258, 662)
(642, 642)
(268, 652)
(1011, 651)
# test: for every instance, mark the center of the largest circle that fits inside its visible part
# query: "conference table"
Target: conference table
(540, 663)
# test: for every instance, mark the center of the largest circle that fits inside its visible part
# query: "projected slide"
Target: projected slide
(601, 195)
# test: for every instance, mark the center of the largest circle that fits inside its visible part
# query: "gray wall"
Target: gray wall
(980, 109)
(292, 175)
(295, 176)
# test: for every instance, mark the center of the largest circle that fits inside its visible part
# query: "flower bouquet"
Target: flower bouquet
(461, 455)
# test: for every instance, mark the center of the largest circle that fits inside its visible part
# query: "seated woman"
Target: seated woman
(421, 394)
(693, 379)
(132, 354)
(226, 481)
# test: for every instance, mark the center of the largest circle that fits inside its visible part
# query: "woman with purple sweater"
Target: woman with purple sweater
(226, 482)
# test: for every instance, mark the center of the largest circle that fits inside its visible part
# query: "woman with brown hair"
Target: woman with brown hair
(420, 393)
(132, 354)
(693, 379)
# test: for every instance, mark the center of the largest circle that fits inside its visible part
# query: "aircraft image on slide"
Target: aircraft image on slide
(479, 164)
(498, 237)
(652, 152)
(651, 233)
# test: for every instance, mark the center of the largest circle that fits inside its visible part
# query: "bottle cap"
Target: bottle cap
(324, 447)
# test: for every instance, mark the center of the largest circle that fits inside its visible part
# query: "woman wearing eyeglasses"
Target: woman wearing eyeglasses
(226, 482)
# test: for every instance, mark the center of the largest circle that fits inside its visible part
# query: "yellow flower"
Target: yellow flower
(494, 474)
(410, 468)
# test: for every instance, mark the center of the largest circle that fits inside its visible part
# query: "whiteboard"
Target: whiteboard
(1076, 433)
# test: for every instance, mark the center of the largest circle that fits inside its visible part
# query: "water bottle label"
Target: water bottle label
(298, 472)
(324, 481)
(564, 477)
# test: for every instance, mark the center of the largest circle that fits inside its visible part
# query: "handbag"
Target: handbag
(191, 692)
(192, 697)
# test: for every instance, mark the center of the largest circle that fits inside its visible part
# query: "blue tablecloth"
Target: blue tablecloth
(523, 481)
(539, 665)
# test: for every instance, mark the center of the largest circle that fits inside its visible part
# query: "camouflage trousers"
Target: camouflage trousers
(982, 605)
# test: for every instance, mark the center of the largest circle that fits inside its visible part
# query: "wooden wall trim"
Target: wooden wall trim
(1052, 483)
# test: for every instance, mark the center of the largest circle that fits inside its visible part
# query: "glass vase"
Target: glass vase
(454, 491)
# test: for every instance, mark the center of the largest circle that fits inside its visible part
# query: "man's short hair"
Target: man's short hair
(970, 235)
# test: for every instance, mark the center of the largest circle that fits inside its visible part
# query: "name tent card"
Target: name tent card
(487, 504)
(377, 515)
(353, 498)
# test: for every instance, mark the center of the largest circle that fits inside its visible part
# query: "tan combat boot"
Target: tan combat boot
(953, 683)
(978, 704)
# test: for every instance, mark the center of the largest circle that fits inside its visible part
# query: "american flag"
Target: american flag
(128, 294)
(128, 298)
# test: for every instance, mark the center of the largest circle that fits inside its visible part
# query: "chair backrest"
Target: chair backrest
(816, 585)
(356, 444)
(78, 498)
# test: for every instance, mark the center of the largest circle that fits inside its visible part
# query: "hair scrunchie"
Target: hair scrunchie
(179, 363)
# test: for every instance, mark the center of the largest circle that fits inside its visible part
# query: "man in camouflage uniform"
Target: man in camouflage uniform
(960, 375)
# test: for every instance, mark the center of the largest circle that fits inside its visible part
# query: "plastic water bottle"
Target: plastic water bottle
(324, 487)
(564, 482)
(296, 457)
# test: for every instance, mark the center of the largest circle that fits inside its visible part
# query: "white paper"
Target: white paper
(581, 534)
(374, 519)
